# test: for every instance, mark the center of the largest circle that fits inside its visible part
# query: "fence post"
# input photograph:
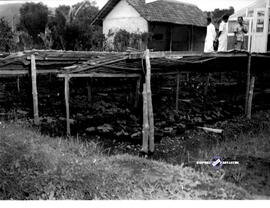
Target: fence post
(34, 89)
(67, 78)
(149, 102)
(250, 97)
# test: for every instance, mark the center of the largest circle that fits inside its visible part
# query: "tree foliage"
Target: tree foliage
(217, 14)
(72, 30)
(6, 36)
(68, 28)
(33, 19)
(122, 40)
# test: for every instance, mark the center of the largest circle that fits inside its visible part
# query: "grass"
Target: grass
(35, 167)
(242, 138)
(246, 141)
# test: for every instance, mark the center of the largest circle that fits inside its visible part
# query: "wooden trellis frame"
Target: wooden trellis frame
(67, 78)
(122, 71)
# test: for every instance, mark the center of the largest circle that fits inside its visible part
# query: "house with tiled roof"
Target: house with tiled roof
(174, 25)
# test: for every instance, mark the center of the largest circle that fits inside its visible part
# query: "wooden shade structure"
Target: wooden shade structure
(140, 66)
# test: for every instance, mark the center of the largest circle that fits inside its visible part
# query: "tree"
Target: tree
(217, 14)
(6, 36)
(57, 26)
(71, 27)
(33, 20)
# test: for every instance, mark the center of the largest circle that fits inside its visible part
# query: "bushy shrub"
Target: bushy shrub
(6, 36)
(124, 39)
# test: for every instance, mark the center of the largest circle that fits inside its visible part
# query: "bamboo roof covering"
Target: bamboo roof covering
(125, 64)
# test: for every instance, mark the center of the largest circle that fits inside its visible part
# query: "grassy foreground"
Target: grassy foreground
(36, 167)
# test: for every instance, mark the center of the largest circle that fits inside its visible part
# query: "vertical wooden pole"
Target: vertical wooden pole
(149, 102)
(18, 85)
(145, 131)
(191, 38)
(207, 81)
(171, 37)
(67, 78)
(177, 91)
(188, 77)
(248, 83)
(34, 89)
(89, 91)
(250, 97)
(206, 86)
(137, 95)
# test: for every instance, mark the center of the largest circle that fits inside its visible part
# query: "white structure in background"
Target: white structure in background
(256, 17)
(124, 16)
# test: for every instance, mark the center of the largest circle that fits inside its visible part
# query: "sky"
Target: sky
(205, 5)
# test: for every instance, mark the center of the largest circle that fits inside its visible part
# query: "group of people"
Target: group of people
(219, 41)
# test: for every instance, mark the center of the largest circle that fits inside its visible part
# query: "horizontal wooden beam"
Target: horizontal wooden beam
(99, 75)
(180, 54)
(123, 68)
(13, 72)
(61, 59)
(85, 68)
(225, 54)
(217, 131)
(25, 72)
(51, 71)
(260, 55)
(198, 62)
(165, 54)
(174, 54)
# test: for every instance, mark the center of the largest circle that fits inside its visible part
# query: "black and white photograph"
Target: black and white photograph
(139, 100)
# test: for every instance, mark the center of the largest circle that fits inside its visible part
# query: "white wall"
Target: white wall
(124, 16)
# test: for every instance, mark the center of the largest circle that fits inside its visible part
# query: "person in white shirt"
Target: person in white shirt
(210, 37)
(223, 34)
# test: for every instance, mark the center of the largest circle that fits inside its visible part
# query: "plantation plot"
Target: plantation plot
(107, 98)
(103, 91)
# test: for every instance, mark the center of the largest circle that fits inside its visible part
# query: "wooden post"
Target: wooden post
(89, 91)
(248, 83)
(34, 89)
(207, 81)
(145, 131)
(171, 37)
(18, 85)
(206, 86)
(188, 77)
(137, 95)
(250, 97)
(191, 38)
(67, 104)
(177, 91)
(149, 102)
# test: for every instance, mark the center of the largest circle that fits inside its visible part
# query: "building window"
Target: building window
(261, 13)
(260, 25)
(250, 13)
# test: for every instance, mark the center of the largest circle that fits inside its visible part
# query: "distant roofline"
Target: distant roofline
(113, 3)
(245, 8)
(175, 1)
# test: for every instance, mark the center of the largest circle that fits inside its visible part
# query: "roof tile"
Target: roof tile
(169, 11)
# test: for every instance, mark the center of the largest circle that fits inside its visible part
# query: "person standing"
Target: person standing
(223, 34)
(210, 37)
(239, 34)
